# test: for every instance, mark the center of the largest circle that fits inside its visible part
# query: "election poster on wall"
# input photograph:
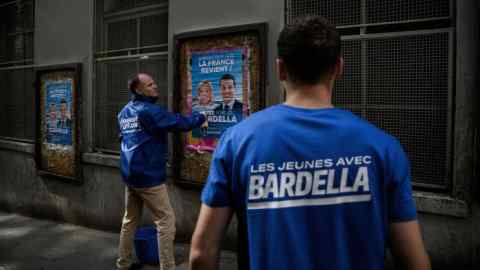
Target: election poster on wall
(219, 73)
(57, 125)
(58, 100)
(217, 91)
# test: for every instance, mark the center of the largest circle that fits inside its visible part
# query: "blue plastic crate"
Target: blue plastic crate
(146, 245)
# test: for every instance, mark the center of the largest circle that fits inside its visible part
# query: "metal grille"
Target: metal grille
(116, 5)
(347, 92)
(404, 10)
(122, 34)
(119, 5)
(16, 32)
(339, 12)
(17, 104)
(403, 89)
(129, 42)
(114, 94)
(423, 134)
(410, 71)
(16, 79)
(349, 12)
(407, 95)
(399, 81)
(154, 30)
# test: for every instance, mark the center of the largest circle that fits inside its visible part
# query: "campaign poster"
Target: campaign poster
(221, 73)
(58, 105)
(56, 143)
(217, 83)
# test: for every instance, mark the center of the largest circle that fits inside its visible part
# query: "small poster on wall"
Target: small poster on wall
(57, 125)
(220, 73)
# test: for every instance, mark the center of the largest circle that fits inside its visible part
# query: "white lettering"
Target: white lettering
(343, 181)
(331, 182)
(256, 187)
(328, 163)
(304, 183)
(271, 186)
(287, 180)
(317, 182)
(222, 118)
(129, 123)
(296, 179)
(340, 162)
(361, 180)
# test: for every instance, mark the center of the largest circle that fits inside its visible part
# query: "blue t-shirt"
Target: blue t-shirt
(312, 188)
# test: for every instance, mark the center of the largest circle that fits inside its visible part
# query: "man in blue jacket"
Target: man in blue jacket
(144, 126)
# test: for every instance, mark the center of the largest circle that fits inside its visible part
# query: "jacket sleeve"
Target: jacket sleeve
(157, 120)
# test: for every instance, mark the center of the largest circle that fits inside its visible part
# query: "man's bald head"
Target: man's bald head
(143, 84)
(144, 77)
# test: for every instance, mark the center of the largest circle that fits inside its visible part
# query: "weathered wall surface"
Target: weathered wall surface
(64, 34)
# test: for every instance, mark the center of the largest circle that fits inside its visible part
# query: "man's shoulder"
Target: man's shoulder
(370, 128)
(135, 108)
(370, 132)
(124, 110)
(147, 107)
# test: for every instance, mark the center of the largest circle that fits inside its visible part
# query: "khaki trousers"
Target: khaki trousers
(157, 201)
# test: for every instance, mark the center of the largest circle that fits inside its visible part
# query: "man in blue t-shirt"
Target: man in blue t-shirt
(314, 187)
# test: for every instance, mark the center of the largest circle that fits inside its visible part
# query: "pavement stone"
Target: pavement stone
(33, 244)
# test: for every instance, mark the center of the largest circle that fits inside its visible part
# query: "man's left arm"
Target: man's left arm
(406, 241)
(216, 211)
(206, 240)
(407, 246)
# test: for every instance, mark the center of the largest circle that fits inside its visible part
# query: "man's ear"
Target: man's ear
(339, 68)
(139, 88)
(281, 70)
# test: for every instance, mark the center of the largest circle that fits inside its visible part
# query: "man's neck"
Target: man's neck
(310, 97)
(138, 96)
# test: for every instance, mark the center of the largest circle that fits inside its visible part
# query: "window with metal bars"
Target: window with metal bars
(17, 105)
(398, 73)
(132, 37)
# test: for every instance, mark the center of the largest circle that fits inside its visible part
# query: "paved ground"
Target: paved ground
(32, 244)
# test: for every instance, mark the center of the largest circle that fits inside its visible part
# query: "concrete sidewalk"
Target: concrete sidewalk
(31, 244)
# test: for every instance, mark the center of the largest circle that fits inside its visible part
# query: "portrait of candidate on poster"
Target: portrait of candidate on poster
(56, 140)
(219, 73)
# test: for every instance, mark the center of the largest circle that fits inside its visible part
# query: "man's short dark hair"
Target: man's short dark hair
(227, 76)
(309, 48)
(134, 83)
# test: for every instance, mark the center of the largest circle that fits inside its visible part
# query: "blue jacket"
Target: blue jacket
(143, 128)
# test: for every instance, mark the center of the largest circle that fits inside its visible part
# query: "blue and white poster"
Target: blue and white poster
(58, 110)
(217, 91)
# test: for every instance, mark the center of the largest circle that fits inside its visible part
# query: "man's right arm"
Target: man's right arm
(160, 120)
(407, 246)
(206, 240)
